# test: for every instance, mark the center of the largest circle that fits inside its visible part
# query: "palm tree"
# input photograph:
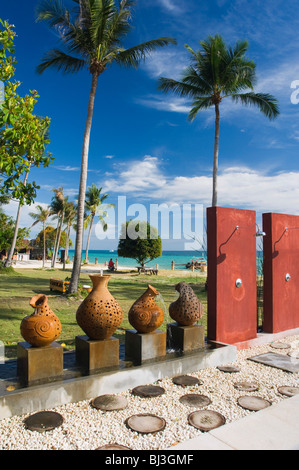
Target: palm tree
(41, 217)
(70, 213)
(217, 72)
(93, 201)
(92, 36)
(58, 204)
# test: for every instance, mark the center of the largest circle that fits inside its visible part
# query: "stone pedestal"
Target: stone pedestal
(97, 354)
(141, 347)
(39, 364)
(185, 338)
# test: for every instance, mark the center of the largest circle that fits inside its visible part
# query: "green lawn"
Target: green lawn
(17, 288)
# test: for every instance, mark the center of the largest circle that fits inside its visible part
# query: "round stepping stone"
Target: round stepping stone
(113, 447)
(289, 391)
(43, 421)
(228, 369)
(109, 403)
(280, 345)
(253, 403)
(186, 380)
(148, 391)
(193, 399)
(206, 420)
(246, 386)
(145, 423)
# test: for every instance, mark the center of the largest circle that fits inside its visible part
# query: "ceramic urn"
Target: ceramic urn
(100, 314)
(187, 309)
(145, 315)
(43, 326)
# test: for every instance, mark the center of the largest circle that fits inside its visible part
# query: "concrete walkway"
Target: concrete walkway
(274, 428)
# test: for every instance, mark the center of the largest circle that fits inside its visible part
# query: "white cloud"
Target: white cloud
(171, 6)
(168, 63)
(25, 219)
(67, 168)
(239, 187)
(166, 103)
(138, 176)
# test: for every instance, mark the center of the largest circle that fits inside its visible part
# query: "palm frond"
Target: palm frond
(61, 61)
(134, 55)
(202, 102)
(266, 103)
(182, 89)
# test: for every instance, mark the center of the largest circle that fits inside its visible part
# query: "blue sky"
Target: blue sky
(142, 145)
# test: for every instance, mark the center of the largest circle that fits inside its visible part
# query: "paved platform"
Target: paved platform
(274, 428)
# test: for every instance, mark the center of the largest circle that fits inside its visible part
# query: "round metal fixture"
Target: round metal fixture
(238, 283)
(288, 277)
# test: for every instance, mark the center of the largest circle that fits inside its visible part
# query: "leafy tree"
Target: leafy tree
(7, 229)
(139, 241)
(91, 35)
(51, 239)
(23, 135)
(218, 72)
(41, 216)
(94, 205)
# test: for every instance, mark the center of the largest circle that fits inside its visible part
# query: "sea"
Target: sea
(180, 258)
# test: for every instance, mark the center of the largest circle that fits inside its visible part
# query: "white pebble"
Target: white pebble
(85, 428)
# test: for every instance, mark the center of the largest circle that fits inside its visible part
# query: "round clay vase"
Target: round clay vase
(43, 326)
(145, 315)
(187, 309)
(100, 314)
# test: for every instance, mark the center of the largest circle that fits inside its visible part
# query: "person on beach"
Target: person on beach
(111, 265)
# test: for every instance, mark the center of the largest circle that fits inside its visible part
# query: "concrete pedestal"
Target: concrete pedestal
(185, 338)
(141, 347)
(39, 364)
(97, 354)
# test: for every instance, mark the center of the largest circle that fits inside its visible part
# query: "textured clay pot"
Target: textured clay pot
(99, 315)
(187, 309)
(145, 315)
(43, 326)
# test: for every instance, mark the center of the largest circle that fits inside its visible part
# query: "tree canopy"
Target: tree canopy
(92, 36)
(23, 135)
(218, 72)
(140, 241)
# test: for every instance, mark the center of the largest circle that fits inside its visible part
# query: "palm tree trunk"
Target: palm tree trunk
(58, 239)
(88, 239)
(55, 244)
(216, 154)
(73, 286)
(66, 255)
(15, 235)
(44, 253)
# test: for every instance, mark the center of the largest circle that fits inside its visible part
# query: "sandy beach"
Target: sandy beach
(36, 264)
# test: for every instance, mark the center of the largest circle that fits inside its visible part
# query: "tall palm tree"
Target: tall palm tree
(58, 204)
(41, 216)
(94, 205)
(218, 72)
(70, 213)
(92, 36)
